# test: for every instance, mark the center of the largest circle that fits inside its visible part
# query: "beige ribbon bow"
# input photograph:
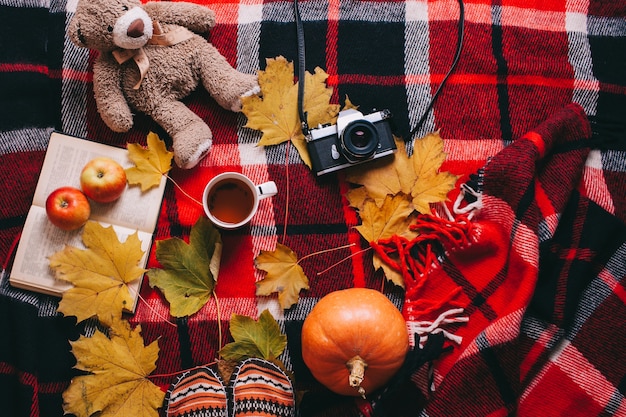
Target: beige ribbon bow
(159, 38)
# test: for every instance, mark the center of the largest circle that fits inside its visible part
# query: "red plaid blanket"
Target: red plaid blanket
(535, 108)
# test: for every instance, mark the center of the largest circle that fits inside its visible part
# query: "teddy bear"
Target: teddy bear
(151, 56)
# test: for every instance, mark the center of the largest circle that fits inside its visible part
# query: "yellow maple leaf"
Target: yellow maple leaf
(431, 185)
(349, 105)
(390, 273)
(357, 197)
(399, 186)
(317, 98)
(432, 190)
(275, 111)
(116, 383)
(428, 155)
(417, 175)
(384, 176)
(100, 274)
(151, 163)
(393, 217)
(284, 275)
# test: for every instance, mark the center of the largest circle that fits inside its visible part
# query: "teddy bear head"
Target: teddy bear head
(106, 25)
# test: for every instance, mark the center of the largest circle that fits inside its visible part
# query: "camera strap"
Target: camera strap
(457, 55)
(302, 69)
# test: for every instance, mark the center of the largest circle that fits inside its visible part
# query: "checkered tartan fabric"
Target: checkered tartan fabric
(547, 326)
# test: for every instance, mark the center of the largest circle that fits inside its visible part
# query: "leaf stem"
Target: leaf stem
(219, 321)
(159, 315)
(180, 372)
(343, 260)
(185, 193)
(325, 251)
(286, 191)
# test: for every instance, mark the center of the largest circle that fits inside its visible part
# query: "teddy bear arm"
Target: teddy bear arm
(110, 100)
(193, 16)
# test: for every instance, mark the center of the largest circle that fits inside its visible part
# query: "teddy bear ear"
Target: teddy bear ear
(74, 26)
(73, 32)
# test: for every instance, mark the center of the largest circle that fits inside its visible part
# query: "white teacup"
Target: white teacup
(231, 199)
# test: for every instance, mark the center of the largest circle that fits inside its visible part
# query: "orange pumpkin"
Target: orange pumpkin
(354, 341)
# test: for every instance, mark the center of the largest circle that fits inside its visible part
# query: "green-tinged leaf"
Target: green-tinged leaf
(189, 271)
(238, 351)
(260, 338)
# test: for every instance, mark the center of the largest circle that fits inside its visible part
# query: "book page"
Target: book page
(65, 158)
(41, 239)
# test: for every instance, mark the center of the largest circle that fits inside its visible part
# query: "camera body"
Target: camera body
(353, 140)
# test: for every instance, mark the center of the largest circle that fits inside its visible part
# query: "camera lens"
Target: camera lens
(359, 140)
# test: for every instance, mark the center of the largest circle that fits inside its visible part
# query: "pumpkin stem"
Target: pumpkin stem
(357, 366)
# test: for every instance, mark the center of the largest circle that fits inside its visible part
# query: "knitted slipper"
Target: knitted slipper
(261, 389)
(197, 393)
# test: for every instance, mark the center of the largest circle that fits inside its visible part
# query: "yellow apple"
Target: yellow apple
(103, 180)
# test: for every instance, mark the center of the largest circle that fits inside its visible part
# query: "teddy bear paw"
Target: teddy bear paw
(117, 117)
(236, 104)
(121, 126)
(192, 144)
(253, 91)
(188, 161)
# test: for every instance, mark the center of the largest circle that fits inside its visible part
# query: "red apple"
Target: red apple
(103, 180)
(67, 208)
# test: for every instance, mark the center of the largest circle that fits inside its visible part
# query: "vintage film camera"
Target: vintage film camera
(353, 140)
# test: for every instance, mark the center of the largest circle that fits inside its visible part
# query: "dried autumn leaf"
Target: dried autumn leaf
(417, 175)
(429, 155)
(317, 94)
(393, 217)
(398, 185)
(431, 185)
(189, 271)
(275, 112)
(348, 104)
(284, 275)
(432, 190)
(357, 197)
(151, 163)
(384, 176)
(100, 274)
(117, 383)
(390, 273)
(260, 338)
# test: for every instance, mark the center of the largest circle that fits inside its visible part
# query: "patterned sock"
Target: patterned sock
(261, 389)
(197, 393)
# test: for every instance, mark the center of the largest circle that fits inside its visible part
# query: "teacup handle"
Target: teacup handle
(267, 189)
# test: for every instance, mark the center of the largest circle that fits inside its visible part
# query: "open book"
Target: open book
(134, 211)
